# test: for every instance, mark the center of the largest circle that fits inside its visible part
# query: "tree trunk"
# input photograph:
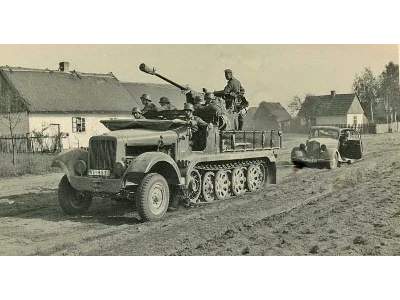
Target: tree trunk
(372, 112)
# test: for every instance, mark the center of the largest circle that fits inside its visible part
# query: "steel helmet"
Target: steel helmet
(146, 97)
(164, 100)
(188, 106)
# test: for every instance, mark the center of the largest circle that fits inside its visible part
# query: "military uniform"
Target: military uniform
(167, 106)
(233, 93)
(149, 107)
(196, 122)
(137, 113)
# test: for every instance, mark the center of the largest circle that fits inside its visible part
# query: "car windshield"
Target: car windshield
(324, 132)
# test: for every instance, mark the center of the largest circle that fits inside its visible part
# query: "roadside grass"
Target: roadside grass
(26, 163)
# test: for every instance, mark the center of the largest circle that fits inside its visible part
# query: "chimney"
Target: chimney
(333, 94)
(63, 66)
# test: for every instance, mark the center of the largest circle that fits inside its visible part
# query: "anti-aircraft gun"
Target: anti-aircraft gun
(215, 112)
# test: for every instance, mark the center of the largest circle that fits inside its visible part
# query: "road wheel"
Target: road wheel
(194, 187)
(207, 189)
(152, 197)
(222, 185)
(255, 177)
(72, 202)
(333, 163)
(238, 181)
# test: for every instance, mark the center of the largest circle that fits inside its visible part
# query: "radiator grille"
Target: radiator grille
(313, 149)
(102, 153)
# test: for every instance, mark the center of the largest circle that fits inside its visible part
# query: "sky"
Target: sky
(273, 73)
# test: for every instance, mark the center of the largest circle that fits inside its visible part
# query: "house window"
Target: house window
(355, 120)
(78, 124)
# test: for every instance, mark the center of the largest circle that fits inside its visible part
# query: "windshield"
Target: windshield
(324, 133)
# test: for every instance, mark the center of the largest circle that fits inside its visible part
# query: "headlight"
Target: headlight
(80, 167)
(323, 148)
(119, 169)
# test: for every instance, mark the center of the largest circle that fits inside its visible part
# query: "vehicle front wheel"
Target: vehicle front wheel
(152, 198)
(333, 164)
(72, 202)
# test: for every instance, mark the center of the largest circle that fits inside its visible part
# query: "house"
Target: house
(69, 102)
(268, 115)
(332, 109)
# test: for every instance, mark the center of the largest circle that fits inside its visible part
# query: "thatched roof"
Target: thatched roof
(56, 91)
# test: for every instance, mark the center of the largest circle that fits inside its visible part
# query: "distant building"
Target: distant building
(268, 115)
(333, 109)
(71, 102)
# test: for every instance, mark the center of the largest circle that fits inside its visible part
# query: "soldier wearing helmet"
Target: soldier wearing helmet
(147, 104)
(166, 104)
(137, 113)
(194, 121)
(233, 93)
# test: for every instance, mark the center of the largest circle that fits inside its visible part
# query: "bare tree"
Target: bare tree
(12, 108)
(295, 106)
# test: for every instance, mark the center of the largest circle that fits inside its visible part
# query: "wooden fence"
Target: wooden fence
(30, 144)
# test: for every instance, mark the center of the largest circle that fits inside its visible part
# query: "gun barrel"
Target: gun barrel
(152, 71)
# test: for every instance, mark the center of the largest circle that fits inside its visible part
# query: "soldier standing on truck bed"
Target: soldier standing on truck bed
(166, 104)
(147, 104)
(233, 93)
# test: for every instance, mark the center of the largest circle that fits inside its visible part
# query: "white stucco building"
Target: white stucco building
(333, 109)
(71, 102)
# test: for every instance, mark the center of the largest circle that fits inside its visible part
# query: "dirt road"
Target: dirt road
(353, 210)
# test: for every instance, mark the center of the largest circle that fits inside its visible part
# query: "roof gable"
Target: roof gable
(275, 109)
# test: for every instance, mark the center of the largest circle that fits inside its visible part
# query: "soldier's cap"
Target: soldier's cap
(145, 97)
(228, 71)
(136, 110)
(164, 100)
(188, 106)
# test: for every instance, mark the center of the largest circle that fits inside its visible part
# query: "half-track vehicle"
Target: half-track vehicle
(328, 146)
(156, 161)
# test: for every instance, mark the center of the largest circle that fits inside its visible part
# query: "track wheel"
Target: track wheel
(72, 201)
(152, 197)
(255, 177)
(194, 187)
(238, 181)
(207, 190)
(222, 184)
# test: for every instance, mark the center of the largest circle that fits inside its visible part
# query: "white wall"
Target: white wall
(38, 121)
(361, 119)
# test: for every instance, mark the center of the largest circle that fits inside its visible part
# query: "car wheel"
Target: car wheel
(152, 197)
(72, 201)
(333, 163)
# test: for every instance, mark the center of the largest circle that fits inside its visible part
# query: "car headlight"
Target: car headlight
(80, 167)
(119, 169)
(323, 148)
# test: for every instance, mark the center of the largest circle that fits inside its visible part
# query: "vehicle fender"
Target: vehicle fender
(157, 162)
(66, 160)
(329, 153)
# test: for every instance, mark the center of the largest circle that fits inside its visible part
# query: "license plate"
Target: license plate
(98, 172)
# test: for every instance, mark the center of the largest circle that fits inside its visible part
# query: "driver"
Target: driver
(194, 121)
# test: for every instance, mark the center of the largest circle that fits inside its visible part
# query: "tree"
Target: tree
(366, 86)
(11, 112)
(390, 89)
(295, 106)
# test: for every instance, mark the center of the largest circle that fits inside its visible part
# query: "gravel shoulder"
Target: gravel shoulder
(353, 210)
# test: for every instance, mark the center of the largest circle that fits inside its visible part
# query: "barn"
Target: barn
(70, 102)
(268, 115)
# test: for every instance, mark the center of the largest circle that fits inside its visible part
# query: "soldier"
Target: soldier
(233, 93)
(198, 102)
(148, 105)
(194, 121)
(166, 104)
(137, 113)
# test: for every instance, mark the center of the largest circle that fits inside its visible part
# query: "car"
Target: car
(328, 147)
